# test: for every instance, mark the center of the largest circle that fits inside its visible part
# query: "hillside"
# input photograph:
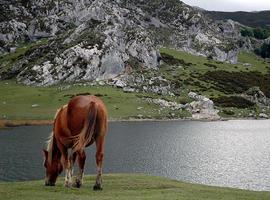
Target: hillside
(157, 94)
(123, 186)
(164, 56)
(99, 40)
(252, 19)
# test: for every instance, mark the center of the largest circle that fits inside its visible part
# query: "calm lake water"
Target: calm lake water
(226, 153)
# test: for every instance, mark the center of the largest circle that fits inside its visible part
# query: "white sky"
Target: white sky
(231, 5)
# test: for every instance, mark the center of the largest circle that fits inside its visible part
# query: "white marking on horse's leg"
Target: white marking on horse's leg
(99, 176)
(79, 178)
(99, 163)
(68, 178)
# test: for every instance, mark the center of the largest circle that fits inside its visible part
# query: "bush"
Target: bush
(233, 101)
(237, 82)
(259, 33)
(247, 32)
(170, 60)
(263, 51)
(228, 112)
(210, 65)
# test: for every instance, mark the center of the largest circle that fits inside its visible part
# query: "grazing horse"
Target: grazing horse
(77, 125)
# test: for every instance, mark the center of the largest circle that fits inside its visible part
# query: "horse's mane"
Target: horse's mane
(50, 143)
(49, 146)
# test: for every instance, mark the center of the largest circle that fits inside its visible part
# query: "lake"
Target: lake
(224, 153)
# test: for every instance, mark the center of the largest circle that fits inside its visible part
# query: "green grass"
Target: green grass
(199, 63)
(16, 101)
(124, 186)
(7, 61)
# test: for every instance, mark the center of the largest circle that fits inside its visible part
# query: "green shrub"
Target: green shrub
(228, 112)
(237, 82)
(263, 51)
(247, 32)
(233, 101)
(258, 33)
(170, 60)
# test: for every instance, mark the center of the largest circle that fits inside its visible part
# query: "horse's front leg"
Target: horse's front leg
(99, 162)
(67, 164)
(81, 162)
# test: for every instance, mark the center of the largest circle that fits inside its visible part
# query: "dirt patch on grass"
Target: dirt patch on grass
(14, 123)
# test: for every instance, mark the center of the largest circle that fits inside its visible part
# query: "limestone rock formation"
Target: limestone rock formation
(202, 107)
(93, 40)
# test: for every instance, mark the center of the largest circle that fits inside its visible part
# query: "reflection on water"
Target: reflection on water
(228, 153)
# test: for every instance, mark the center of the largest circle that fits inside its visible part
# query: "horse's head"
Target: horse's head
(53, 168)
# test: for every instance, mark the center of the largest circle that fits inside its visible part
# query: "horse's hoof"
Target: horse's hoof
(49, 184)
(97, 187)
(77, 184)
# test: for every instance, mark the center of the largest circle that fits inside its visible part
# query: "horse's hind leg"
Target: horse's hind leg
(99, 162)
(81, 163)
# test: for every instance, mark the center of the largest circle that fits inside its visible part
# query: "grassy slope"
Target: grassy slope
(123, 186)
(16, 101)
(191, 80)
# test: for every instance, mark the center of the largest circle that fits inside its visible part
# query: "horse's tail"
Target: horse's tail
(85, 136)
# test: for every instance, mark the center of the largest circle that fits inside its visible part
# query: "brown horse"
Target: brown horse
(76, 125)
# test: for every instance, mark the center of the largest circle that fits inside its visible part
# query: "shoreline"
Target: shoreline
(5, 123)
(20, 122)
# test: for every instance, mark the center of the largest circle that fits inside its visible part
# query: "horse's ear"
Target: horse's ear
(45, 153)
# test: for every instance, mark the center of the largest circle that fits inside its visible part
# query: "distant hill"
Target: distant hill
(252, 19)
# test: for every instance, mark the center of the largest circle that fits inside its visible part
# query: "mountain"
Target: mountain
(252, 19)
(89, 40)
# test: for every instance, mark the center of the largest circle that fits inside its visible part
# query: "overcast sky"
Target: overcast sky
(231, 5)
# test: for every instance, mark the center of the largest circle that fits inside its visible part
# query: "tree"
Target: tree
(247, 32)
(263, 51)
(260, 33)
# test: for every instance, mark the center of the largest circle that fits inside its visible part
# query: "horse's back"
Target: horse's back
(78, 111)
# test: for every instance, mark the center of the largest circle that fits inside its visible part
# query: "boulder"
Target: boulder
(264, 116)
(202, 108)
(256, 96)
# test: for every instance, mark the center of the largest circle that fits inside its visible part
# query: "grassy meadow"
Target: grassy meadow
(40, 103)
(126, 186)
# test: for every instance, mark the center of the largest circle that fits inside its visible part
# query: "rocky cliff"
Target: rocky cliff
(89, 40)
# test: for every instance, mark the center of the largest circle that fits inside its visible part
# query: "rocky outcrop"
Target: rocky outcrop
(202, 107)
(263, 116)
(92, 40)
(166, 104)
(255, 95)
